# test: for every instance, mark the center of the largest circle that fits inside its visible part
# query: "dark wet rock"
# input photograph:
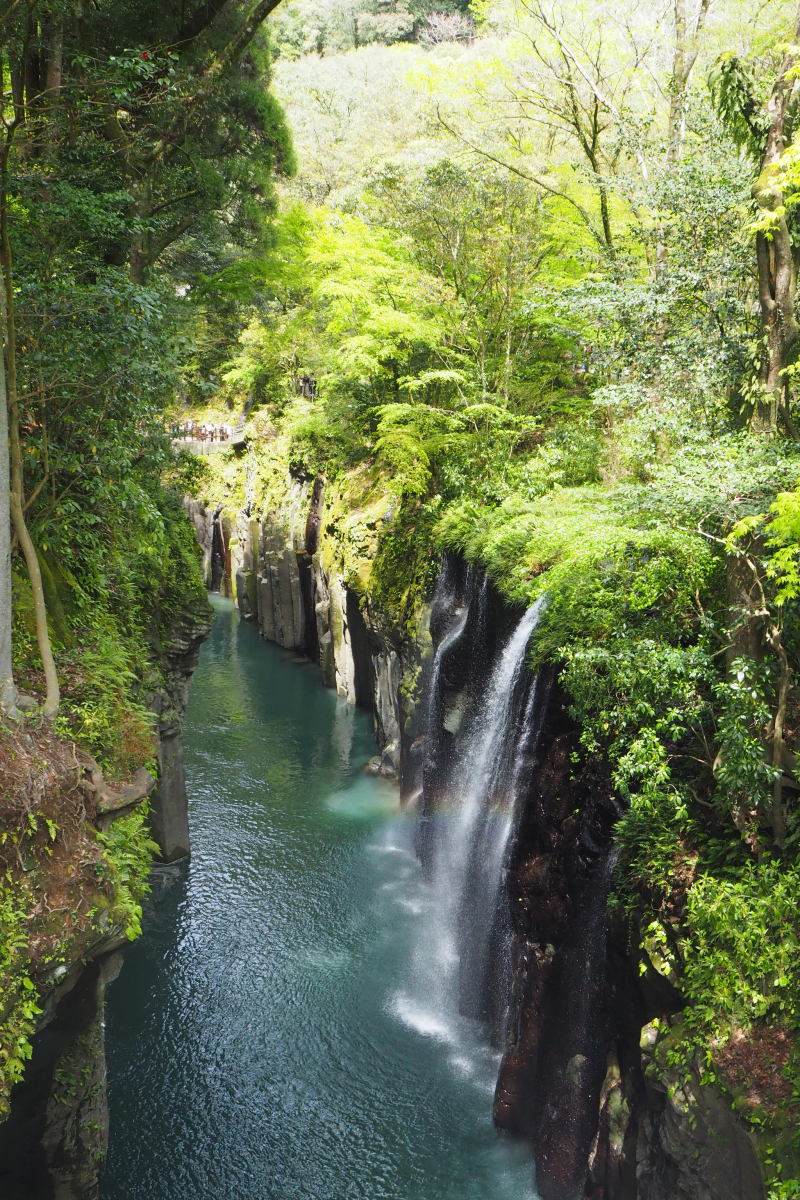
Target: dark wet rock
(180, 652)
(690, 1146)
(53, 1144)
(247, 594)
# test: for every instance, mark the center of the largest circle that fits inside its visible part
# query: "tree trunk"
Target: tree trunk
(54, 66)
(777, 275)
(8, 690)
(684, 56)
(138, 263)
(16, 490)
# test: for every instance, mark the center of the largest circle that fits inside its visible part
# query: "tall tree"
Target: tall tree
(16, 491)
(686, 47)
(125, 138)
(764, 128)
(8, 690)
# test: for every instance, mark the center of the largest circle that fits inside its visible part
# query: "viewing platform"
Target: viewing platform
(206, 438)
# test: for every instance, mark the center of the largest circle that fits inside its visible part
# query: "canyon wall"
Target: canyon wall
(582, 1017)
(577, 1009)
(287, 572)
(179, 652)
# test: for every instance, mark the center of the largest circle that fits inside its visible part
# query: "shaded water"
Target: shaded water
(256, 1048)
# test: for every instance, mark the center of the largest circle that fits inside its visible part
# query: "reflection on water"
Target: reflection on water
(264, 1038)
(343, 728)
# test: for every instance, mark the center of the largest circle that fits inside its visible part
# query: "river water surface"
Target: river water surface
(269, 1037)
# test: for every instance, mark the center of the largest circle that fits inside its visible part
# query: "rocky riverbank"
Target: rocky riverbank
(77, 852)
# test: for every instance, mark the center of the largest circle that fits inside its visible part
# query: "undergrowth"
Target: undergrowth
(65, 888)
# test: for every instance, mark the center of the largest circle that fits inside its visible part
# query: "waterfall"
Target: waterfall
(462, 938)
(469, 868)
(451, 610)
(459, 614)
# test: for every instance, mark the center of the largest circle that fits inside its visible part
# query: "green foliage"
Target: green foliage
(786, 1189)
(634, 697)
(411, 438)
(736, 98)
(743, 959)
(485, 235)
(119, 872)
(120, 607)
(18, 995)
(128, 853)
(744, 778)
(597, 571)
(104, 709)
(782, 528)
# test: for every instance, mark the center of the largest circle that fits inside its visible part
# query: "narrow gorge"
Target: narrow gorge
(515, 848)
(400, 600)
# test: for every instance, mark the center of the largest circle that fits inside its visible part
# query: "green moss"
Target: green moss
(405, 566)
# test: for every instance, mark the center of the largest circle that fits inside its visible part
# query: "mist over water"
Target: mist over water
(265, 1037)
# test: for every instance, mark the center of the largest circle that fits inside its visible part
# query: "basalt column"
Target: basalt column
(181, 651)
(53, 1143)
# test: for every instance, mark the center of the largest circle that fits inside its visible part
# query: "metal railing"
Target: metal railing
(190, 431)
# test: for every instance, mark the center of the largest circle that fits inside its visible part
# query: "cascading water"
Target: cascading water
(469, 867)
(451, 608)
(217, 553)
(484, 918)
(459, 614)
(460, 950)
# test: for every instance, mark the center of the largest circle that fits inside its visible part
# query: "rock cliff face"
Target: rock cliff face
(290, 578)
(53, 1142)
(180, 651)
(53, 1139)
(689, 1146)
(213, 530)
(584, 1032)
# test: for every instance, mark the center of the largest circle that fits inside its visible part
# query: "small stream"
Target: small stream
(267, 1038)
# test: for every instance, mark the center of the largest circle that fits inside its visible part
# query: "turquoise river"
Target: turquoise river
(268, 1037)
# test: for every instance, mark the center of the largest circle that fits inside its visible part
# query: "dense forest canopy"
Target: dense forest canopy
(139, 151)
(540, 261)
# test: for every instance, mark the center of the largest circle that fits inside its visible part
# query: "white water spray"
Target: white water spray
(455, 942)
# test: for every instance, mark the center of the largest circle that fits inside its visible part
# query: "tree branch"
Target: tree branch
(523, 175)
(176, 134)
(198, 22)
